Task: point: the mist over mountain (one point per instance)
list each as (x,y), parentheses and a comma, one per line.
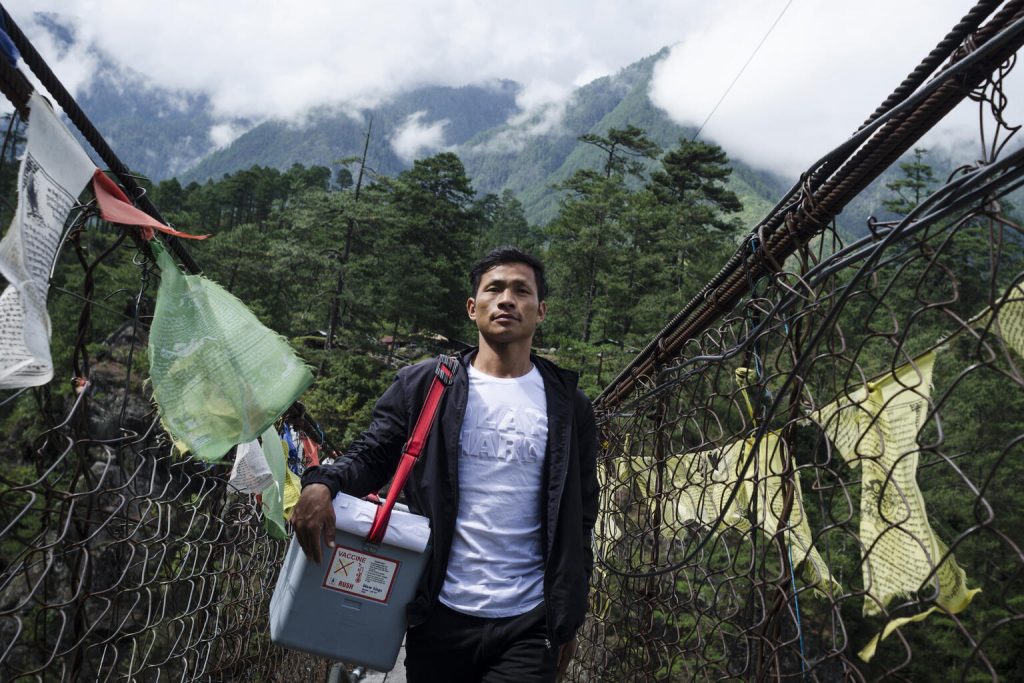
(532,154)
(411,125)
(165,133)
(155,131)
(501,146)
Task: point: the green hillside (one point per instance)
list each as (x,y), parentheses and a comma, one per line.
(527,157)
(329,134)
(542,161)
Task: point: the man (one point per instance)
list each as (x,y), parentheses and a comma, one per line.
(508,481)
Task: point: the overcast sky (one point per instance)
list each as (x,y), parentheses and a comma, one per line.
(826,65)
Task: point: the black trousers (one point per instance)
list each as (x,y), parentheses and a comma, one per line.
(452,647)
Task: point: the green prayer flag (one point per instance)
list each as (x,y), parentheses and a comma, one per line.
(273,495)
(220,377)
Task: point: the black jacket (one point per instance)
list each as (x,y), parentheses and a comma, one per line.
(570,482)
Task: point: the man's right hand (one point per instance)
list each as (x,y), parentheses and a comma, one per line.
(313,519)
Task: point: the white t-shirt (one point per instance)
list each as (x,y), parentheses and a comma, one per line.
(496,566)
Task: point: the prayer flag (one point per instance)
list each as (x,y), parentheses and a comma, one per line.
(273,496)
(763,492)
(292,491)
(759,495)
(53,173)
(699,485)
(1010,318)
(115,207)
(250,472)
(220,377)
(875,428)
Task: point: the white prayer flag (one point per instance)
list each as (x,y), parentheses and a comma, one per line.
(53,173)
(250,473)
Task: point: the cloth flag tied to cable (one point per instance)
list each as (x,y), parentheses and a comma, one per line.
(250,473)
(220,377)
(1009,318)
(282,493)
(696,487)
(53,173)
(276,455)
(115,207)
(875,428)
(763,490)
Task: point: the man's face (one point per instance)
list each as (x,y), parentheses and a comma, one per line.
(506,307)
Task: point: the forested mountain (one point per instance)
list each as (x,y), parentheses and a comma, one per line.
(527,155)
(171,133)
(164,133)
(157,131)
(529,159)
(330,134)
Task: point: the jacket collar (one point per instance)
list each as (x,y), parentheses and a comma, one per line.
(567,380)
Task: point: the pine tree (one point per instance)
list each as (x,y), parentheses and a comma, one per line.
(625,148)
(696,224)
(909,190)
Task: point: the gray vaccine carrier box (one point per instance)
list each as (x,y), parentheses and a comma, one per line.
(351,608)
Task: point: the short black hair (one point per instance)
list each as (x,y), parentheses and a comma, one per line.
(509,254)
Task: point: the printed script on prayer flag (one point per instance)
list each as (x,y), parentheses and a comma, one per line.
(53,172)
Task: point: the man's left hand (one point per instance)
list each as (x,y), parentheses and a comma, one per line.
(565,654)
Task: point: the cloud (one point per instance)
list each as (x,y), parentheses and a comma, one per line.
(823,69)
(541,105)
(261,58)
(821,72)
(223,134)
(411,139)
(75,64)
(541,119)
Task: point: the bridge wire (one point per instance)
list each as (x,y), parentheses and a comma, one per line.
(833,160)
(67,102)
(742,69)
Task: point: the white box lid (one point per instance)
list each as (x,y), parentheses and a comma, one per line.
(405,529)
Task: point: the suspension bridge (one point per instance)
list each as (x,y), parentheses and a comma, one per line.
(809,474)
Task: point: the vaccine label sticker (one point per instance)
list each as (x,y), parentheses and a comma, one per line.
(362,574)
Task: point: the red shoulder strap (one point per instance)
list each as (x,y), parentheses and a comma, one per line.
(444,375)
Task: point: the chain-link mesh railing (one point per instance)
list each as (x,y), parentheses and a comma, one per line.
(120,558)
(813,472)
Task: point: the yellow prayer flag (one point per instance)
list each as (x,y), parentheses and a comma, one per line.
(953,597)
(876,427)
(292,491)
(1009,318)
(743,377)
(696,487)
(608,531)
(705,481)
(762,491)
(609,528)
(693,488)
(868,651)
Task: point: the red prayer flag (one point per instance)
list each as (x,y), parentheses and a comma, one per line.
(311,451)
(115,207)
